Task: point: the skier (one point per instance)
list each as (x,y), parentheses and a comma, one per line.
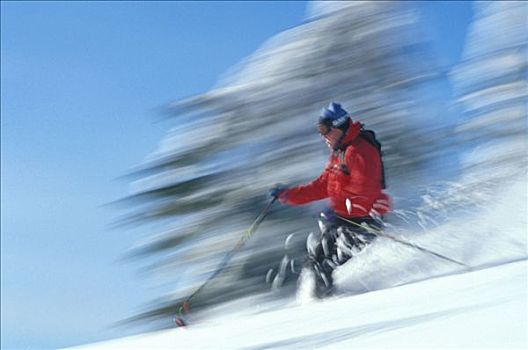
(353,180)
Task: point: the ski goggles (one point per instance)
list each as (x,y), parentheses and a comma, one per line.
(323,129)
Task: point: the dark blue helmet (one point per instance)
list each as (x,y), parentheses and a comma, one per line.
(334,116)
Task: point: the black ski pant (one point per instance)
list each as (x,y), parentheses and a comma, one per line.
(338,242)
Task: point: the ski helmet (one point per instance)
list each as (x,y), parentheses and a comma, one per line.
(334,116)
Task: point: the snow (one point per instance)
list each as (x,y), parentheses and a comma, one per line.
(485,308)
(407,299)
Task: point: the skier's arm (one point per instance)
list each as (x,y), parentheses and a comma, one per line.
(303,194)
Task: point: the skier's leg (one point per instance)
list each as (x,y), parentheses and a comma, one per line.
(335,246)
(351,240)
(320,260)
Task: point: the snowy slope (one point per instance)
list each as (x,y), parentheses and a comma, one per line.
(485,308)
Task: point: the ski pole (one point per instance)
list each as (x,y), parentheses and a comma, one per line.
(186,304)
(409,244)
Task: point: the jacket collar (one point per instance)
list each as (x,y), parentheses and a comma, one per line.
(351,134)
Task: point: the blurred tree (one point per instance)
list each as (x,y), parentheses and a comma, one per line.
(492,84)
(209,178)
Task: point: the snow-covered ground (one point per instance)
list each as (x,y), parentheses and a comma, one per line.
(486,307)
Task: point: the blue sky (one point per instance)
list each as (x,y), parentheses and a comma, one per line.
(80,86)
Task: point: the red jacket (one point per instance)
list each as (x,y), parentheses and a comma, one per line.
(356,194)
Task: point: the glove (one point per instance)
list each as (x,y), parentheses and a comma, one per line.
(276,191)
